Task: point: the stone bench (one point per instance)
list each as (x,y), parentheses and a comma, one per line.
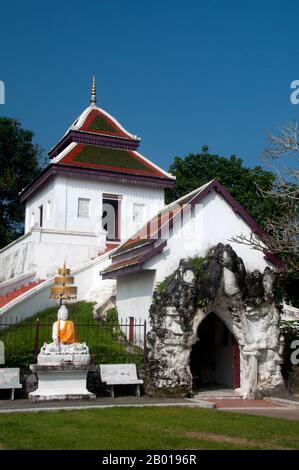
(120,374)
(10,379)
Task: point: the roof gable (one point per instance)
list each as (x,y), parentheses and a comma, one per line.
(99,121)
(97,146)
(150,234)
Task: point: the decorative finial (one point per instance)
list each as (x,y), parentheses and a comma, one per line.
(93,99)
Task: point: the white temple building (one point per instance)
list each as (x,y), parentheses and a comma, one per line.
(186,228)
(96,192)
(218,327)
(99,207)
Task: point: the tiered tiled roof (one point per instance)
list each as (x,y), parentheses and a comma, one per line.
(117,160)
(99,122)
(97,145)
(97,140)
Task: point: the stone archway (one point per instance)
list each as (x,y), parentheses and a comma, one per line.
(214,358)
(245,303)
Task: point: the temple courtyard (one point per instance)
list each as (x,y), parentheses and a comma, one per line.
(152,427)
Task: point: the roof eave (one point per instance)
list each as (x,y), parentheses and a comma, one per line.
(93,173)
(37,182)
(77,135)
(139,266)
(215,185)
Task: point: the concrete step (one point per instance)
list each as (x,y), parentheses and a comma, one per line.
(217,394)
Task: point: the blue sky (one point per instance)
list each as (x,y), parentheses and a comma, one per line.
(179,74)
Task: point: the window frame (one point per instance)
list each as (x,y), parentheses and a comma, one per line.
(85,199)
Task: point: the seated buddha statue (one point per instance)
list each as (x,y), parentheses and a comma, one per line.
(65,341)
(63,331)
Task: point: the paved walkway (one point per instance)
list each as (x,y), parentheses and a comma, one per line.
(275,408)
(8,406)
(242,404)
(284,413)
(285,409)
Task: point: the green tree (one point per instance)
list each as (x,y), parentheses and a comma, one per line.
(20,162)
(283,226)
(197,169)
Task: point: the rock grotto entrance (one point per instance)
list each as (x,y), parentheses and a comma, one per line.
(198,295)
(215,357)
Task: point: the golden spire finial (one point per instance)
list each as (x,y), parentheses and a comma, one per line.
(93,99)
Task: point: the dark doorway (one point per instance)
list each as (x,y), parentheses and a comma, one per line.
(41,215)
(111,217)
(214,359)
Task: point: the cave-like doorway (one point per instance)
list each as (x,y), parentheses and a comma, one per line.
(215,357)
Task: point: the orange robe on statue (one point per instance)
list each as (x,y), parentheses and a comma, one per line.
(67,334)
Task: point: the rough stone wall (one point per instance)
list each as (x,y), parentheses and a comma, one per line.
(246,304)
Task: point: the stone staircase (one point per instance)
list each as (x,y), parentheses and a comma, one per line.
(5,299)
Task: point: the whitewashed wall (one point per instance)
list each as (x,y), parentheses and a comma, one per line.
(13,258)
(87,279)
(221,223)
(213,221)
(64,236)
(134,294)
(63,193)
(41,197)
(44,250)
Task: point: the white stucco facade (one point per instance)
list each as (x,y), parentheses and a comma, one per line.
(134,294)
(95,193)
(59,199)
(65,237)
(211,222)
(89,287)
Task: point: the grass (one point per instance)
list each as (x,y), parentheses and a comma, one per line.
(145,428)
(102,338)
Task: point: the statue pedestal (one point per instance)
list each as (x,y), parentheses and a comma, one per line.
(63,382)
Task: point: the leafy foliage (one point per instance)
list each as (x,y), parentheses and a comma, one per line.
(162,286)
(20,163)
(287,288)
(282,227)
(112,316)
(197,169)
(195,263)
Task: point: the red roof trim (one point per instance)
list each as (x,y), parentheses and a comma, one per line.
(136,263)
(91,117)
(68,159)
(96,174)
(216,186)
(89,138)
